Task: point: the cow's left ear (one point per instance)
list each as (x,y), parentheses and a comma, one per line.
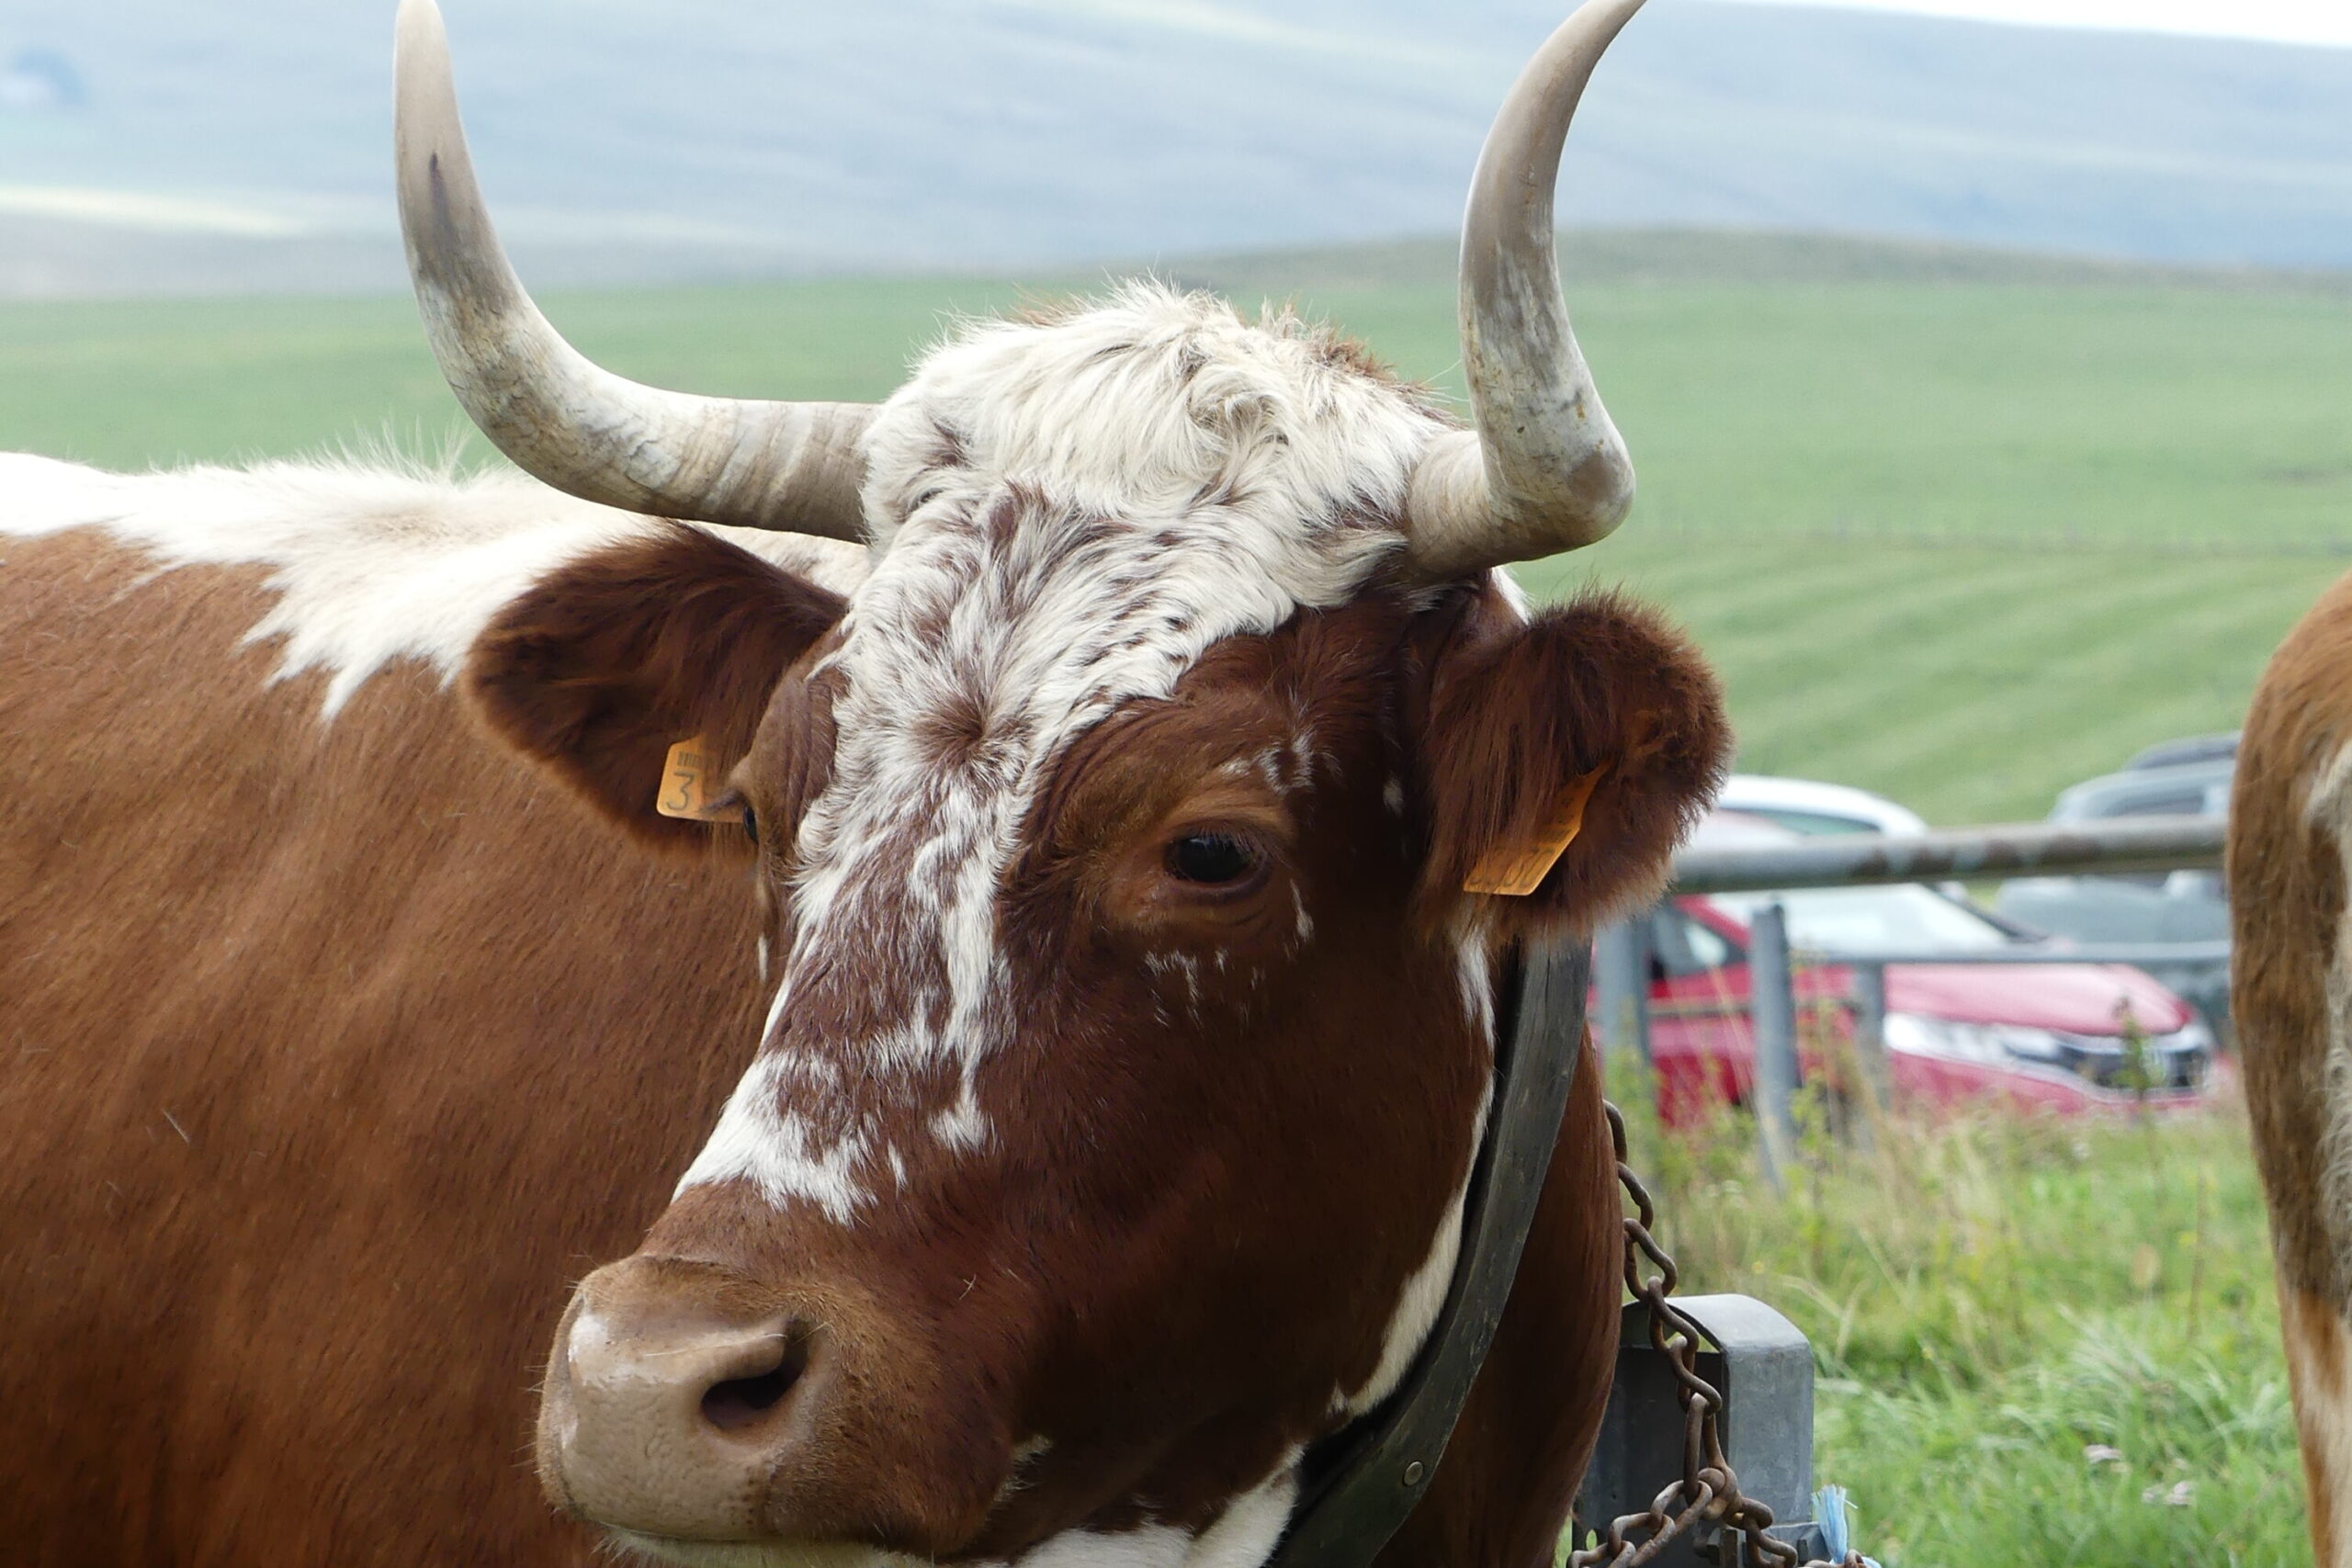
(1564,756)
(611,660)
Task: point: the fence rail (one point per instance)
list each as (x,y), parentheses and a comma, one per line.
(1622,960)
(2056,950)
(2039,849)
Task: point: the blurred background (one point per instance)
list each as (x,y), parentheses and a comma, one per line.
(628,141)
(1991,386)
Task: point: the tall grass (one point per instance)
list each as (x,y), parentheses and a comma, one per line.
(2037,1342)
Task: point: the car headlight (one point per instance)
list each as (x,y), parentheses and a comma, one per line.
(2190,1036)
(1987,1044)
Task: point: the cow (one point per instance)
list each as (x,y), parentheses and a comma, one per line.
(845,986)
(2290,1003)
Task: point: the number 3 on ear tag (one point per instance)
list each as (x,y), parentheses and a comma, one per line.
(690,783)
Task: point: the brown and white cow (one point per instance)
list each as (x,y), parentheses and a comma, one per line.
(1050,1087)
(2290,1002)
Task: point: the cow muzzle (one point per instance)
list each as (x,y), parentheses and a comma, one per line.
(685,1401)
(675,1396)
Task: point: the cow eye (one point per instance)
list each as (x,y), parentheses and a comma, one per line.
(751,824)
(1211,859)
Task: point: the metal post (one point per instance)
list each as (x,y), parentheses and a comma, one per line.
(1774,1007)
(1622,971)
(1761,1365)
(1869,1048)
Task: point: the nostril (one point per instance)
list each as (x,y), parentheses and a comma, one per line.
(741,1402)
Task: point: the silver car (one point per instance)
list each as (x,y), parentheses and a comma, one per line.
(2180,778)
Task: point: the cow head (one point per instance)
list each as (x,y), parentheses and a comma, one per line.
(1131,1026)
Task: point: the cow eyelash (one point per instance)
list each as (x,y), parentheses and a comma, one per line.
(1213,860)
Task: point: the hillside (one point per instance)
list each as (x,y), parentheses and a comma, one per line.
(1676,256)
(709,138)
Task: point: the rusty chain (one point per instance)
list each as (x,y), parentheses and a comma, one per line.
(1709,1490)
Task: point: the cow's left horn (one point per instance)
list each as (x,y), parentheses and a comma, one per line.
(793,467)
(1544,470)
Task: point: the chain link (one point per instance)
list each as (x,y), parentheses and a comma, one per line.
(1709,1491)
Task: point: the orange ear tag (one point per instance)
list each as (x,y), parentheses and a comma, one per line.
(1516,870)
(690,783)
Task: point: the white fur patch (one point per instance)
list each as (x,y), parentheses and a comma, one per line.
(370,565)
(760,1140)
(1513,595)
(1066,515)
(1242,1537)
(1151,1546)
(1416,1311)
(1246,1534)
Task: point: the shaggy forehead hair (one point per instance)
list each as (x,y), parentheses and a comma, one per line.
(1066,511)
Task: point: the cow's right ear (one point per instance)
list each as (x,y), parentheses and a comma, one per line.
(1564,756)
(611,660)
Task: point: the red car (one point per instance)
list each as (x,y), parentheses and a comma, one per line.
(2051,1035)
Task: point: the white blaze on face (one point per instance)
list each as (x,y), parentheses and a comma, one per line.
(1066,514)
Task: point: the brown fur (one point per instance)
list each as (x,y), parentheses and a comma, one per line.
(2287,900)
(346,1049)
(335,1054)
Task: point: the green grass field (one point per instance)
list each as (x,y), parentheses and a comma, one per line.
(1962,539)
(1995,1305)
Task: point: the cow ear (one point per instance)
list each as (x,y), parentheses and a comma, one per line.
(1564,756)
(610,660)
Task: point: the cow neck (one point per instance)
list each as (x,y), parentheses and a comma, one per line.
(1359,1485)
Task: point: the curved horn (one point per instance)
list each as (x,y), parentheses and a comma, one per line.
(791,467)
(1544,470)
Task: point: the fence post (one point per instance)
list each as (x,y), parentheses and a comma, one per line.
(1621,969)
(1869,1049)
(1773,1005)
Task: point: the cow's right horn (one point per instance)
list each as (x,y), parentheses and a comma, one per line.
(1545,470)
(793,467)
